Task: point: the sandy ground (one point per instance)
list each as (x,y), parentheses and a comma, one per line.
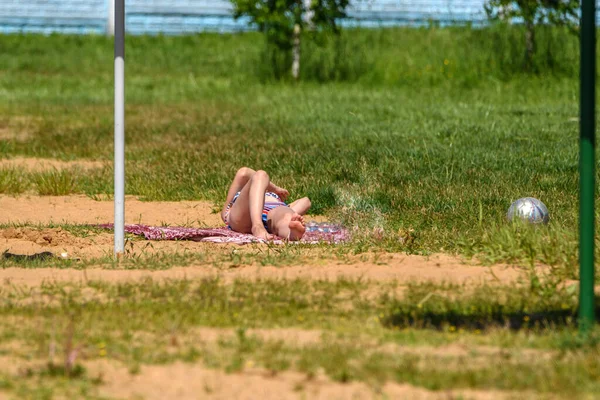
(17,129)
(186,381)
(189,381)
(83,210)
(80,209)
(193,381)
(44,164)
(403,269)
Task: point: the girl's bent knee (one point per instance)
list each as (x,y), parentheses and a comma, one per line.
(243,171)
(260,174)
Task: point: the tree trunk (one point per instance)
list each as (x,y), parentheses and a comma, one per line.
(529,44)
(296,53)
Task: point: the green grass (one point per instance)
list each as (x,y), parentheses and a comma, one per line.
(54,183)
(433,161)
(12,181)
(416,139)
(150,322)
(545,305)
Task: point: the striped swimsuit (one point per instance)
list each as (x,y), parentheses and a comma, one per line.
(269,205)
(228,209)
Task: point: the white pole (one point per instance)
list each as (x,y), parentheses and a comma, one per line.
(110,22)
(119,127)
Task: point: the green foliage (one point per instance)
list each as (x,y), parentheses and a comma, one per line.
(283,21)
(221,64)
(553,12)
(277,18)
(534,13)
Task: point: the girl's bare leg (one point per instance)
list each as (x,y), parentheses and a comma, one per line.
(242,177)
(240,180)
(258,186)
(300,206)
(246,213)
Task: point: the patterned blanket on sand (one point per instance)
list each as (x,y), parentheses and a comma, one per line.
(223,235)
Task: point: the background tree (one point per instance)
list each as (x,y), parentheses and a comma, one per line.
(533,13)
(283,21)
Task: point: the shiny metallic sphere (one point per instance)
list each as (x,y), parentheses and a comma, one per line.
(530,210)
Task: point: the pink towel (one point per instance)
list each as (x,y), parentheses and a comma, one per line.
(222,235)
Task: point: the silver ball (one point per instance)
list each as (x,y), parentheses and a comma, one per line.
(529,209)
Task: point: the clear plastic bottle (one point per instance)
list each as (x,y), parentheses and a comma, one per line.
(312,226)
(324,227)
(334,228)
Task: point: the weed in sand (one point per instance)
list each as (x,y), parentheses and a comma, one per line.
(12,181)
(55,182)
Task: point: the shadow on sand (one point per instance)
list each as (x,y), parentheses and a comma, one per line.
(494,318)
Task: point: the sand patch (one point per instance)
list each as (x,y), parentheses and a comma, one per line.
(46,164)
(192,381)
(83,210)
(463,356)
(27,241)
(60,242)
(17,135)
(185,381)
(313,264)
(309,264)
(293,336)
(50,237)
(402,269)
(18,128)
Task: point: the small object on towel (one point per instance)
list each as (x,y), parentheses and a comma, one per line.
(324,227)
(312,226)
(44,255)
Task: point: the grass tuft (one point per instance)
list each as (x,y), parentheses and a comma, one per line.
(55,182)
(546,305)
(12,181)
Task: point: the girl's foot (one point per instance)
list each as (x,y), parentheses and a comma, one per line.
(297,227)
(261,233)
